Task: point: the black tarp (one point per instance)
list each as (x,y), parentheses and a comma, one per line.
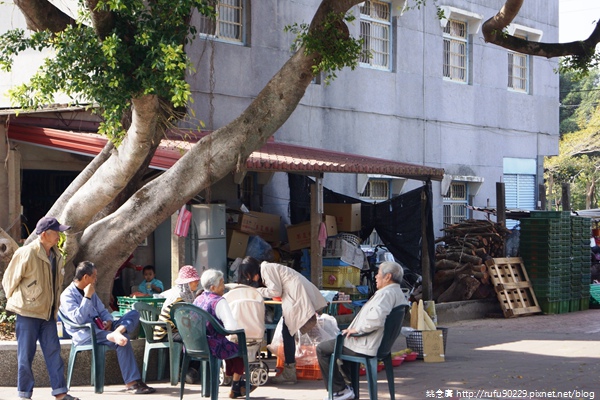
(397,221)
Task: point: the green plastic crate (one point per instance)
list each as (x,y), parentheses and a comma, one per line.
(551,306)
(126,303)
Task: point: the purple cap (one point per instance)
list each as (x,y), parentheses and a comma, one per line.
(50,223)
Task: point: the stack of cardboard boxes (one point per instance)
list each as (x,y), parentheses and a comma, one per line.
(240,226)
(342,260)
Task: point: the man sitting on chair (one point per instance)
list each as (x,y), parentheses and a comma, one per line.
(80,303)
(370,319)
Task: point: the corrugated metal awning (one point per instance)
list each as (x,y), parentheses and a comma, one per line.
(272,157)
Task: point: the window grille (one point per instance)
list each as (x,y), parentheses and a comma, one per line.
(455,203)
(377,189)
(518,71)
(375,31)
(455,51)
(229,22)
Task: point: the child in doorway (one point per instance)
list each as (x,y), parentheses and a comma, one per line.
(150,285)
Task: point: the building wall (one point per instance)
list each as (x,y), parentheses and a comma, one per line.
(410,114)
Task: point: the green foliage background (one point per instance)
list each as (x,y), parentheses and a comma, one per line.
(143,54)
(578,162)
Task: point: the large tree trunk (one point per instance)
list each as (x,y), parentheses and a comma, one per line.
(108,238)
(108,241)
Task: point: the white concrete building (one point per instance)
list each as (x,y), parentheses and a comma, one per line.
(433,94)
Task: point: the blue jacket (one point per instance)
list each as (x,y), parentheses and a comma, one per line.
(81,311)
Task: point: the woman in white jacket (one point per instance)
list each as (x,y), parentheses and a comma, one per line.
(300,300)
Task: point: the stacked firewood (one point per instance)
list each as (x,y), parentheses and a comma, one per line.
(460,271)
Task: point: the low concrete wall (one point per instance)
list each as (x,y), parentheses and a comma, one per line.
(81,371)
(462,310)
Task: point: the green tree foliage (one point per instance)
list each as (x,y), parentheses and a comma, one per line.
(579,97)
(335,47)
(143,54)
(578,162)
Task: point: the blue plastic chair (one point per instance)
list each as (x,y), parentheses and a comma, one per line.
(148,320)
(391,330)
(191,322)
(98,354)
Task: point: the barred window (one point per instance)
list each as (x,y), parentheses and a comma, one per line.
(377,189)
(455,203)
(518,71)
(229,22)
(455,51)
(375,31)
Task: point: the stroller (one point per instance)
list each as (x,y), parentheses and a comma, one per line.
(248,308)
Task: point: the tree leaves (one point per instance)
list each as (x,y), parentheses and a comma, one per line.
(142,54)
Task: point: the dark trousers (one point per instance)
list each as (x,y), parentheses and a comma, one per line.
(341,374)
(289,344)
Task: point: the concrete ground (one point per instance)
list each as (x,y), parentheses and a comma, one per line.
(529,357)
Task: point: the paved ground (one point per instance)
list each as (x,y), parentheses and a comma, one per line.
(530,357)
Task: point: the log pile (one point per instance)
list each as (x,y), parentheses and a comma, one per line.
(460,271)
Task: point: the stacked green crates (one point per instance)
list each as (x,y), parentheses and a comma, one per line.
(545,246)
(581,229)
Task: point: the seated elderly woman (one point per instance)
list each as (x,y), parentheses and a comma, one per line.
(212,301)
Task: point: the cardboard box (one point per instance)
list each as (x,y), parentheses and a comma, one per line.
(331,225)
(236,244)
(339,248)
(299,235)
(267,226)
(347,216)
(243,222)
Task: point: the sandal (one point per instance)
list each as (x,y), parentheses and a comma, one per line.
(139,388)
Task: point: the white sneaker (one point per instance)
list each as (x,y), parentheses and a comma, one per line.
(345,394)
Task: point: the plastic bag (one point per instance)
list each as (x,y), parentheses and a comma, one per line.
(183,222)
(306,344)
(277,339)
(259,249)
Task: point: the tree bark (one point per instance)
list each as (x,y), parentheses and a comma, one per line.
(41,15)
(493,32)
(110,240)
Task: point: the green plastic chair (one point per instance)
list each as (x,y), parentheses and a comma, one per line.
(191,322)
(98,354)
(149,319)
(391,330)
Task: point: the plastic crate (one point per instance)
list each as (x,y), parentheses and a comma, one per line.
(340,277)
(550,214)
(305,372)
(554,307)
(126,303)
(585,304)
(414,340)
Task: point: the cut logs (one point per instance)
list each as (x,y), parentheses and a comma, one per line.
(460,271)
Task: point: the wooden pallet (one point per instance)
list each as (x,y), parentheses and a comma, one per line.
(512,286)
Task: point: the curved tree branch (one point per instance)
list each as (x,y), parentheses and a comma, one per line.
(206,162)
(493,32)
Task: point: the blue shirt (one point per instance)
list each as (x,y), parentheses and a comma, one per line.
(144,287)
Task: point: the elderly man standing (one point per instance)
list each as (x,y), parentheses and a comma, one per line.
(81,304)
(32,283)
(371,318)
